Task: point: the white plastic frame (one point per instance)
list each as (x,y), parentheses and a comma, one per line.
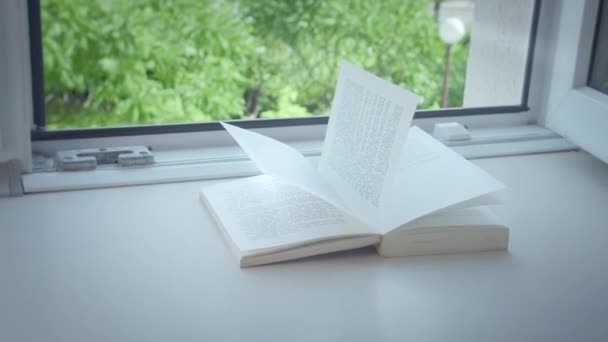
(15,84)
(573,109)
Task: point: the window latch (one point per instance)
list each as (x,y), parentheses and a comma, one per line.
(88,159)
(451,131)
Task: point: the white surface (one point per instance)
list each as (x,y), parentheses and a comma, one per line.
(583,119)
(574,110)
(145,264)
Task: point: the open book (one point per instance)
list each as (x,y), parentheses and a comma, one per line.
(378,182)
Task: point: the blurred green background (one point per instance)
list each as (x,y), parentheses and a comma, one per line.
(127,62)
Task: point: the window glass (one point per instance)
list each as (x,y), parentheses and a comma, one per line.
(598,75)
(116,62)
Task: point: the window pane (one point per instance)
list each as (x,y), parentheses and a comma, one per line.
(117,62)
(598,75)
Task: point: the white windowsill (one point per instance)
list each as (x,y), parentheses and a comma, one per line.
(230,161)
(151,256)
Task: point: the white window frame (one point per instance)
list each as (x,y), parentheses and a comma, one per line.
(574,110)
(15,85)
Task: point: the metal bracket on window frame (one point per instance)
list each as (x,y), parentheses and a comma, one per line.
(88,159)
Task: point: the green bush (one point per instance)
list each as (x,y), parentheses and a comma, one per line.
(111,62)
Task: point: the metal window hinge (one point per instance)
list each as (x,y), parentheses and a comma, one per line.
(88,159)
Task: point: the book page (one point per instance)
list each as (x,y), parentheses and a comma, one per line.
(447,231)
(367,129)
(277,159)
(467,217)
(263,212)
(432,177)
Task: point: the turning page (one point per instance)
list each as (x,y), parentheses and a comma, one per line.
(432,177)
(275,158)
(367,129)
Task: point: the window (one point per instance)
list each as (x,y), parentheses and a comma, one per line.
(576,107)
(598,74)
(501,33)
(124,63)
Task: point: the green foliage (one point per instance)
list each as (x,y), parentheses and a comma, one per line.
(122,62)
(116,62)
